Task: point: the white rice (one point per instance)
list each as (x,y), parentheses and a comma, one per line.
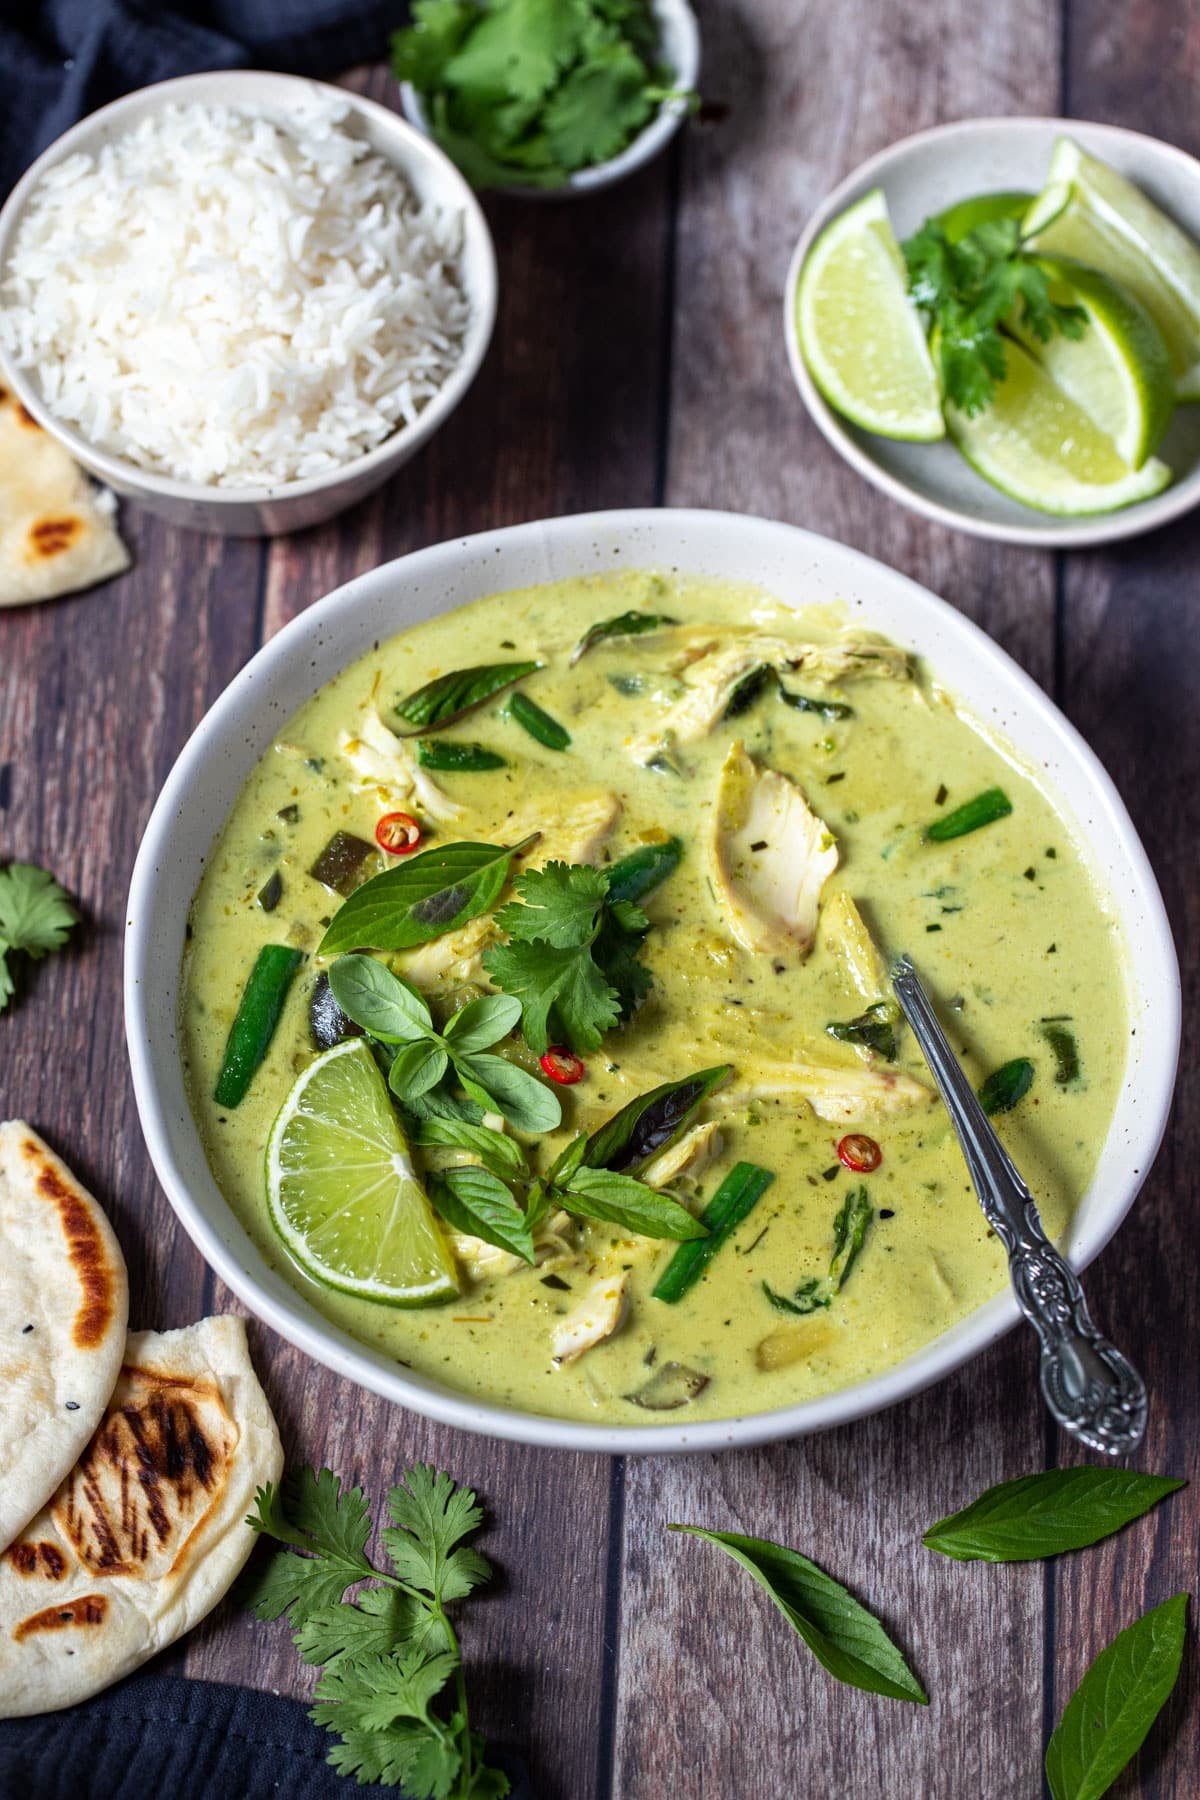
(222,300)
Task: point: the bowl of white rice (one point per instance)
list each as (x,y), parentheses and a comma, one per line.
(243,299)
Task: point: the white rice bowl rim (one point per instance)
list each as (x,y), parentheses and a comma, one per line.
(435,181)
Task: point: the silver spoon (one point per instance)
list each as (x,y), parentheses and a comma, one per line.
(1090,1387)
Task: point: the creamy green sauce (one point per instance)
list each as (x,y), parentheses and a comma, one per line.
(1005,924)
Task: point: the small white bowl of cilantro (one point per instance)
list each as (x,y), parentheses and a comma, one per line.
(548,100)
(997,323)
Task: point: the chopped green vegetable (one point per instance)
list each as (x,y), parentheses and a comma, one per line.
(422,898)
(271,892)
(1066,1051)
(1047,1514)
(849,1232)
(463,759)
(626,624)
(1108,1716)
(844,1637)
(537,722)
(984,809)
(255,1020)
(639,873)
(969,288)
(35,917)
(733,1202)
(338,865)
(389,1654)
(1006,1085)
(449,697)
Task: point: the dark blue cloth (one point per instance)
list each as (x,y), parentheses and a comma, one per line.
(60,59)
(157,1735)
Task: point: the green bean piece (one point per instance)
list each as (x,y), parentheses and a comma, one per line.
(984,809)
(645,869)
(538,723)
(257,1016)
(733,1201)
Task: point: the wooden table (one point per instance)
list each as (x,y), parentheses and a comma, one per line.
(638,359)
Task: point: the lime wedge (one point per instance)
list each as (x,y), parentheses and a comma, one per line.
(1118,371)
(341,1191)
(1111,225)
(982,209)
(860,334)
(1034,443)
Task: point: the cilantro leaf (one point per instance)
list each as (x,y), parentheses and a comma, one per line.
(600,106)
(420,53)
(430,1518)
(382,1619)
(310,1513)
(404,1756)
(518,49)
(561,904)
(370,1693)
(565,981)
(35,916)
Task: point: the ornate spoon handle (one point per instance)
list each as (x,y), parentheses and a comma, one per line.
(1090,1387)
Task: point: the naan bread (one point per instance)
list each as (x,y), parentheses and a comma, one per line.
(148,1530)
(58,533)
(64,1303)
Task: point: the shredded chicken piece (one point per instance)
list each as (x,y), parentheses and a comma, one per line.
(841,1095)
(858,661)
(576,834)
(384,762)
(690,1156)
(458,956)
(599,1314)
(771,856)
(482,1261)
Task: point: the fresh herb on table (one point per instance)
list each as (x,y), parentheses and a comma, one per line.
(392,1684)
(393,1013)
(849,1232)
(449,697)
(968,289)
(1006,1085)
(35,917)
(1108,1716)
(423,898)
(843,1636)
(1046,1514)
(572,956)
(523,93)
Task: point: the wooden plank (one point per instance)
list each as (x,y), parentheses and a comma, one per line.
(713,1694)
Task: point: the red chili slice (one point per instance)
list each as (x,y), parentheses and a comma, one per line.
(562,1065)
(860,1153)
(398,833)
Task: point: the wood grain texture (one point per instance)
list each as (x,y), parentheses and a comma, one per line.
(638,357)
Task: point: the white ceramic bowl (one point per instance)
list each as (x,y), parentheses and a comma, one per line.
(290,506)
(792,564)
(680,52)
(923,174)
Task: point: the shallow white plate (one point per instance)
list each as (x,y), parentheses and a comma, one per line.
(792,564)
(923,174)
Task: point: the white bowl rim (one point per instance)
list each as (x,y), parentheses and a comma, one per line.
(1056,534)
(335,1348)
(639,150)
(131,476)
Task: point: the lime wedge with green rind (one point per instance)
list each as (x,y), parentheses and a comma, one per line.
(342,1192)
(1118,371)
(983,209)
(1036,445)
(1112,226)
(860,334)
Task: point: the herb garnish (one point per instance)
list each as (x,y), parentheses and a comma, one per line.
(843,1636)
(969,288)
(1046,1514)
(849,1230)
(35,917)
(1006,1085)
(626,624)
(1108,1716)
(874,1030)
(449,697)
(423,898)
(652,1121)
(390,1654)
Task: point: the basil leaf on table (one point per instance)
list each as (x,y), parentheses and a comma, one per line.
(619,1199)
(501,1086)
(843,1636)
(377,1000)
(432,893)
(626,624)
(502,1155)
(652,1121)
(1047,1514)
(1109,1714)
(448,697)
(473,1200)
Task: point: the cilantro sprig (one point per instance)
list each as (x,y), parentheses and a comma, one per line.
(522,93)
(969,287)
(35,917)
(392,1685)
(572,956)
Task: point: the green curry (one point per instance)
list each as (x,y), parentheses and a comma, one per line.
(814,782)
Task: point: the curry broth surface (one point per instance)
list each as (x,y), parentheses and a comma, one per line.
(1005,924)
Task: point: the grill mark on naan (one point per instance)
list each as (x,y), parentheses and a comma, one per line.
(50,537)
(85,1248)
(87,1612)
(42,1559)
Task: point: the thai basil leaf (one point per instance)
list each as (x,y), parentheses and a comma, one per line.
(541,725)
(843,1636)
(1047,1514)
(501,1154)
(637,874)
(626,624)
(527,1103)
(448,697)
(379,1001)
(600,1194)
(849,1231)
(825,709)
(417,1068)
(568,1160)
(750,688)
(652,1121)
(482,1023)
(1109,1714)
(873,1030)
(473,1200)
(1006,1085)
(432,893)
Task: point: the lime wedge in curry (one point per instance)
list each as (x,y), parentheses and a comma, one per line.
(1034,443)
(1089,212)
(341,1189)
(860,334)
